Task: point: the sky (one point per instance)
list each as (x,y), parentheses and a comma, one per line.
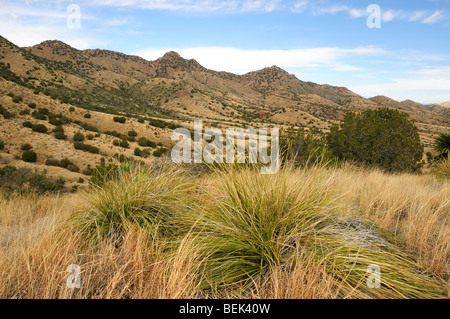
(400,48)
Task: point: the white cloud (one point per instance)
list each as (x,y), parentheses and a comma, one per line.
(241,61)
(23,34)
(435,17)
(228,6)
(387,15)
(429,85)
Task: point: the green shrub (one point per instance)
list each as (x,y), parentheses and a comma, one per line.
(58,128)
(29,156)
(124,144)
(25,112)
(2,145)
(52,162)
(38,116)
(71,109)
(32,105)
(43,110)
(26,147)
(40,128)
(383,138)
(87,115)
(142,141)
(116,142)
(93,149)
(27,124)
(90,137)
(145,142)
(73,168)
(119,119)
(78,137)
(65,163)
(60,135)
(157,153)
(79,146)
(132,133)
(137,151)
(14,179)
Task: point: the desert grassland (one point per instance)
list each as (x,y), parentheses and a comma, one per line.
(233,233)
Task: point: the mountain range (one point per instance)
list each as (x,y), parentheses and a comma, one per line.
(91,87)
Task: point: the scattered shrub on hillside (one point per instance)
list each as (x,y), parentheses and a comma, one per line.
(25,112)
(145,142)
(52,162)
(60,135)
(78,137)
(40,128)
(132,133)
(116,142)
(2,145)
(29,156)
(65,163)
(32,105)
(71,109)
(124,144)
(27,124)
(85,147)
(137,151)
(6,114)
(157,123)
(90,137)
(119,119)
(26,147)
(73,168)
(89,127)
(157,153)
(87,115)
(38,116)
(43,110)
(22,180)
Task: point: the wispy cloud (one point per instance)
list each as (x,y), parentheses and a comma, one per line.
(435,17)
(428,85)
(387,15)
(228,6)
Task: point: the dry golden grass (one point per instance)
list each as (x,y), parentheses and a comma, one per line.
(413,209)
(37,246)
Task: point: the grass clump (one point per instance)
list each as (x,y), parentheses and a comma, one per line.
(256,223)
(135,196)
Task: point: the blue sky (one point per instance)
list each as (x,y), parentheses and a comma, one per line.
(327,42)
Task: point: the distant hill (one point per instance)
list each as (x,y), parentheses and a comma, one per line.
(91,87)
